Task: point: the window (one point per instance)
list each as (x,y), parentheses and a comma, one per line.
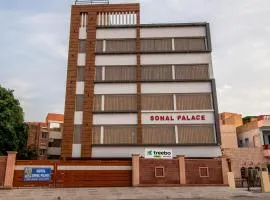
(99,46)
(189,44)
(77,134)
(42,152)
(160,44)
(80,73)
(159,172)
(121,45)
(44,135)
(79,102)
(200,101)
(96,131)
(82,46)
(156,73)
(55,143)
(246,142)
(204,171)
(158,134)
(114,103)
(157,101)
(120,73)
(119,135)
(196,134)
(240,143)
(97,103)
(191,72)
(98,74)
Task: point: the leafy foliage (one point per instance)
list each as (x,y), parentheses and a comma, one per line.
(13,130)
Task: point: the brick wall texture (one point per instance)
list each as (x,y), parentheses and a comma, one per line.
(3,164)
(171,169)
(147,171)
(214,169)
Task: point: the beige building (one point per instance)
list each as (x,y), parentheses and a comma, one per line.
(245,141)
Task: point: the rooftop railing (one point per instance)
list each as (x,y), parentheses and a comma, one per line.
(82,2)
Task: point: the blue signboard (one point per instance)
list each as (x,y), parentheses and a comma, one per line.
(37,174)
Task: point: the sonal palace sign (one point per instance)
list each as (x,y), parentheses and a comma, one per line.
(178,118)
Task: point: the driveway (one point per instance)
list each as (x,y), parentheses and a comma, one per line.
(132,193)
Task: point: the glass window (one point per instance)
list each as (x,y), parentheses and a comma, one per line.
(79,102)
(82,46)
(80,73)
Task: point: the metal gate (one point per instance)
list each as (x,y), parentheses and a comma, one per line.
(249,178)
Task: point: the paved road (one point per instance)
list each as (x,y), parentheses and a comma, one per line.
(129,193)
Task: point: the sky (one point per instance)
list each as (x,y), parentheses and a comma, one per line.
(34,45)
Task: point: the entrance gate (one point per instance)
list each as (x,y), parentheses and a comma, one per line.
(78,173)
(249,178)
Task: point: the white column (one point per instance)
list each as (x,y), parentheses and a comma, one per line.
(173,72)
(102,102)
(174,102)
(102,134)
(103,73)
(176,134)
(173,48)
(104,45)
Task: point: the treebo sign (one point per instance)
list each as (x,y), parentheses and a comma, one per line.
(158,153)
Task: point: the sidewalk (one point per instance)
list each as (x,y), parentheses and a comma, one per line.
(131,193)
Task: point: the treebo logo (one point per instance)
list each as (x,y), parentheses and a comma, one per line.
(158,153)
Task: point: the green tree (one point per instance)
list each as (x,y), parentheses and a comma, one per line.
(13,130)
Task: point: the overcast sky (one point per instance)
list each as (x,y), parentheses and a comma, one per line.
(34,43)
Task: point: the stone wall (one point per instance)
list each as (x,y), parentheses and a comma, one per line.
(245,157)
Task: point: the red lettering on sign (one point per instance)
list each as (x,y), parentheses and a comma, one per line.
(179,117)
(203,117)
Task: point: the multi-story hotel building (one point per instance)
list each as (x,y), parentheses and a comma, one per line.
(132,86)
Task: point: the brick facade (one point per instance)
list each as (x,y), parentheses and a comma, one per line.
(92,12)
(214,169)
(197,171)
(3,164)
(147,171)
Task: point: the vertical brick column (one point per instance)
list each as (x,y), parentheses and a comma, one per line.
(11,159)
(86,136)
(135,169)
(182,169)
(66,146)
(138,79)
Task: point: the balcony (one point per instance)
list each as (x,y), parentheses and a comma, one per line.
(266,150)
(54,150)
(55,135)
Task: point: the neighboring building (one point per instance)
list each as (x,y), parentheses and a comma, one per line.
(245,141)
(55,128)
(46,137)
(255,133)
(228,123)
(133,86)
(227,118)
(228,136)
(38,138)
